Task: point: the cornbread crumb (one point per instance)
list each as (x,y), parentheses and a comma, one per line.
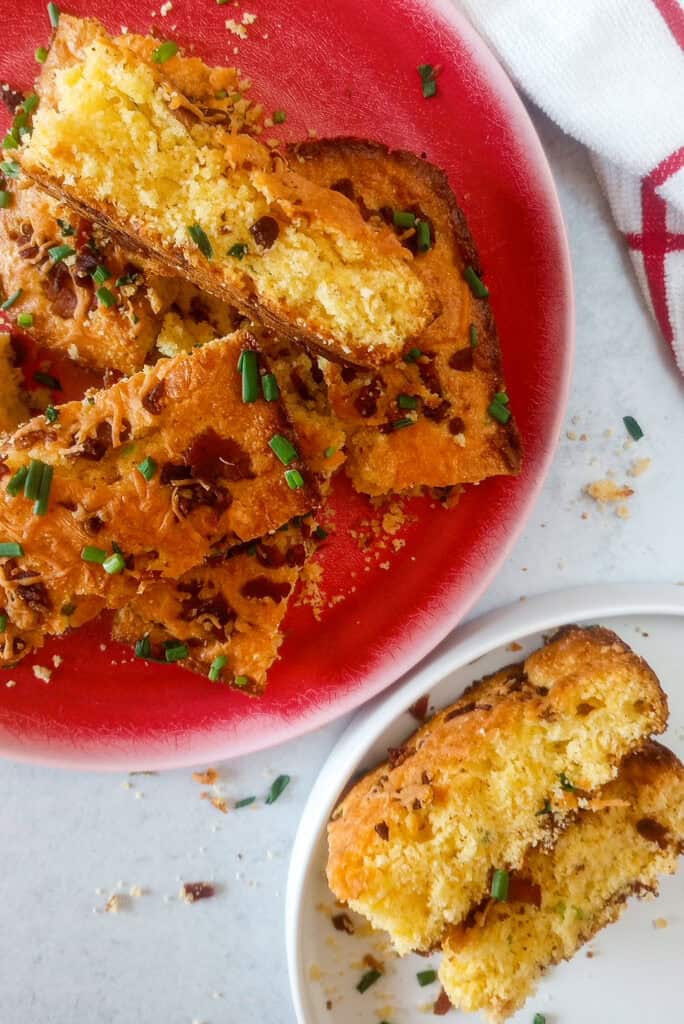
(57,660)
(114,904)
(136,891)
(42,673)
(639,466)
(660,922)
(207,778)
(165,8)
(10,683)
(607,490)
(248,18)
(238,30)
(216,801)
(514,646)
(315,973)
(622,512)
(73,352)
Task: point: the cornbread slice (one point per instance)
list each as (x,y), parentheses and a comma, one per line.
(212,482)
(117,141)
(425,421)
(562,898)
(226,615)
(13,408)
(413,845)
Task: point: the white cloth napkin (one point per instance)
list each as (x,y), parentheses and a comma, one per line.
(611,73)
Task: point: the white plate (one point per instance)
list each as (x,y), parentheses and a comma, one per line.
(635,974)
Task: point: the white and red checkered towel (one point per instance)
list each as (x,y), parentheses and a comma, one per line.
(611,73)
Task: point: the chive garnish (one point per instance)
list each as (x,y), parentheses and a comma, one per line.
(329,452)
(67,609)
(277,788)
(199,237)
(413,355)
(41,505)
(61,252)
(250,376)
(477,285)
(10,168)
(53,14)
(400,424)
(269,387)
(5,199)
(143,648)
(41,54)
(539,1018)
(165,52)
(92,554)
(403,219)
(217,666)
(240,681)
(16,482)
(101,274)
(498,407)
(105,297)
(8,303)
(545,808)
(51,414)
(294,479)
(245,802)
(126,279)
(66,228)
(472,330)
(175,652)
(283,449)
(9,549)
(25,320)
(368,979)
(239,250)
(47,380)
(428,80)
(9,142)
(148,467)
(633,428)
(33,478)
(426,978)
(30,103)
(407,401)
(500,882)
(279,117)
(115,564)
(566,784)
(3,623)
(423,236)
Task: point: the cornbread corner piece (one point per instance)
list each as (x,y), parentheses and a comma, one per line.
(154,474)
(425,421)
(119,143)
(413,845)
(561,898)
(13,408)
(223,620)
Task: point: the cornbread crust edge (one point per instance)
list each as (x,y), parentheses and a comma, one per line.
(288,188)
(411,846)
(583,883)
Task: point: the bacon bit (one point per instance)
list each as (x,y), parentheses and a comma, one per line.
(653,832)
(343,923)
(216,801)
(442,1004)
(524,890)
(382,829)
(190,892)
(207,778)
(397,755)
(514,646)
(375,965)
(419,710)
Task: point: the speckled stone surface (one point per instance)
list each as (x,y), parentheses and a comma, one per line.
(69,841)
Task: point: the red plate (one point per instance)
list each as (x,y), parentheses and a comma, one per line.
(340,68)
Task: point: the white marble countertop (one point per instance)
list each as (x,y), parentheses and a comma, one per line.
(71,840)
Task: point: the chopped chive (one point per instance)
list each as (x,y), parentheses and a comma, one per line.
(51,414)
(8,303)
(294,479)
(115,564)
(429,88)
(67,609)
(239,250)
(269,387)
(500,882)
(33,478)
(10,168)
(221,94)
(472,330)
(9,142)
(101,274)
(105,297)
(116,548)
(47,380)
(66,228)
(41,54)
(368,979)
(175,652)
(329,452)
(407,402)
(165,52)
(428,80)
(633,428)
(403,219)
(413,355)
(25,320)
(41,505)
(277,788)
(499,411)
(279,117)
(199,237)
(546,808)
(240,682)
(477,285)
(92,554)
(53,14)
(245,802)
(148,467)
(539,1018)
(217,666)
(400,424)
(3,623)
(566,784)
(126,279)
(9,549)
(250,376)
(501,397)
(426,978)
(423,236)
(61,252)
(5,199)
(16,482)
(20,121)
(283,449)
(30,103)
(143,648)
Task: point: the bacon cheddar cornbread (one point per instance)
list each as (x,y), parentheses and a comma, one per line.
(414,843)
(242,226)
(13,408)
(141,481)
(560,898)
(440,417)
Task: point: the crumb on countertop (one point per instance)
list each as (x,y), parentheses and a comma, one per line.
(207,778)
(608,490)
(639,466)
